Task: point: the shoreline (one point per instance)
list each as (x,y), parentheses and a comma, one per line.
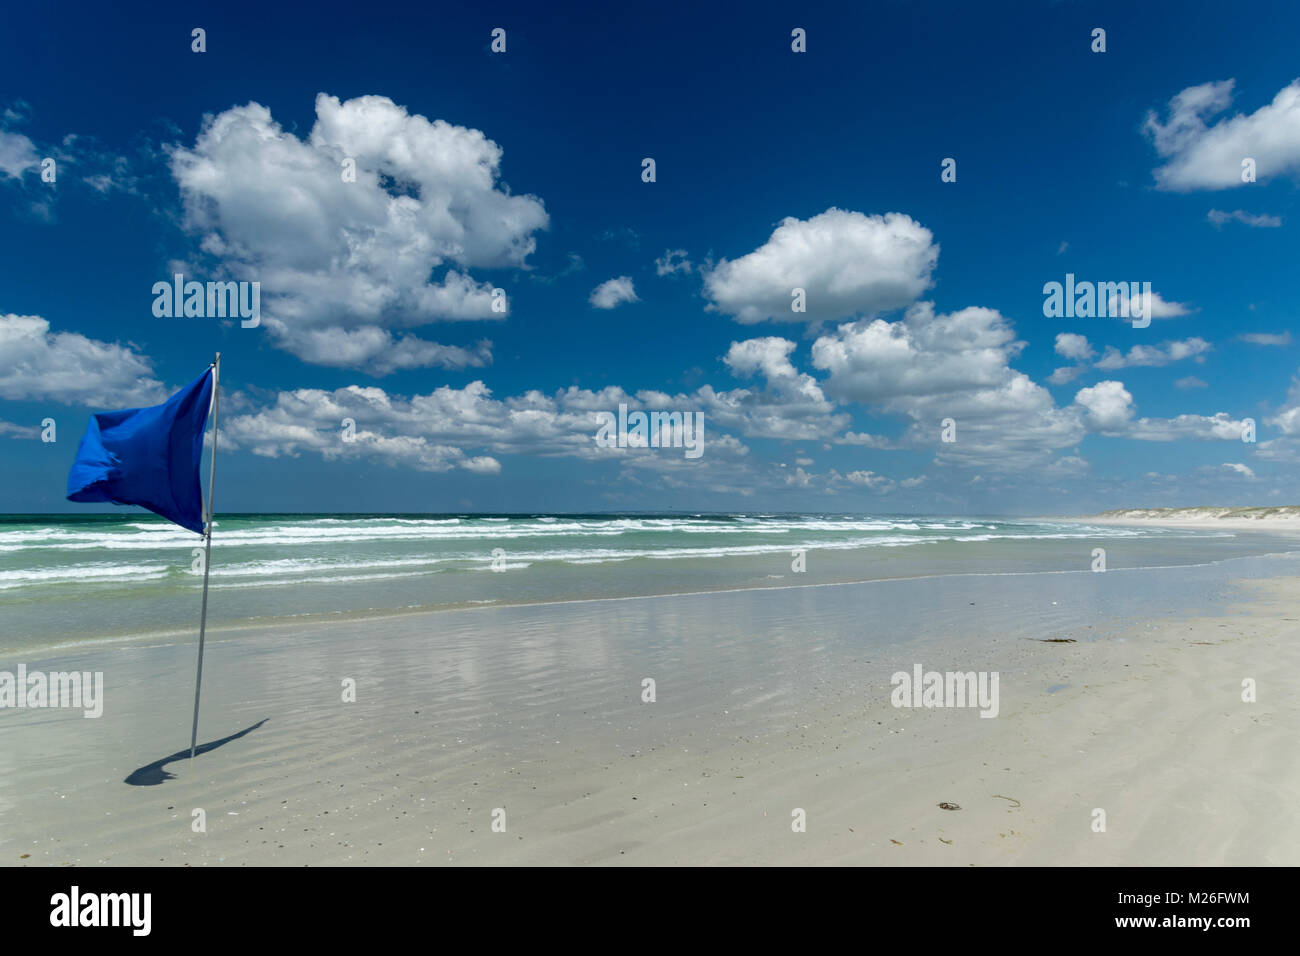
(61,587)
(232,630)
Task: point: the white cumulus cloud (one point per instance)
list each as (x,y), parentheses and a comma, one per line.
(344,263)
(1154,355)
(846,262)
(613,292)
(1108,406)
(67,368)
(1201,155)
(1071,346)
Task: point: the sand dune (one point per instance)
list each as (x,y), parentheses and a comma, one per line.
(1275,518)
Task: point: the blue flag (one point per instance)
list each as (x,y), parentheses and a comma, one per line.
(148,456)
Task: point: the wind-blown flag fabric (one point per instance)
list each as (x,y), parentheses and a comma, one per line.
(148,456)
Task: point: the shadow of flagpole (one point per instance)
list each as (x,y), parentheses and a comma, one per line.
(154,774)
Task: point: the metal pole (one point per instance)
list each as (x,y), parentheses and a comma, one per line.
(207,551)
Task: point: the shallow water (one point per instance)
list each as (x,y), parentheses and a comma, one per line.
(69,580)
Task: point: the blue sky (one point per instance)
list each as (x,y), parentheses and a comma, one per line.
(521,171)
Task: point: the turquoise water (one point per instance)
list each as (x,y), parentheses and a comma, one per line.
(72,579)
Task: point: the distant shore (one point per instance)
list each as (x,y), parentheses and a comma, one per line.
(1278,518)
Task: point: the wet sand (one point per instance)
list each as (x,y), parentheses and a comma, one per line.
(766,703)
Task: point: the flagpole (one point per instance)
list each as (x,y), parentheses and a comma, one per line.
(207,551)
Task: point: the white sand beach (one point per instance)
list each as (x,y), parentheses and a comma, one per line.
(538,711)
(1284,519)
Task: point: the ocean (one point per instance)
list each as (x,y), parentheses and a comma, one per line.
(87,579)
